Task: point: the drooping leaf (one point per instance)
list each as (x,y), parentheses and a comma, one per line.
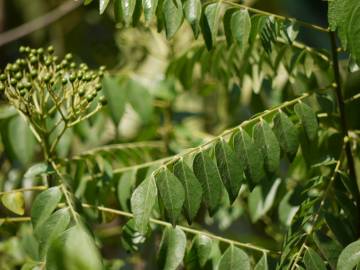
(124,188)
(308,119)
(230,168)
(142,203)
(103,5)
(313,260)
(241,27)
(45,203)
(200,252)
(172,249)
(262,263)
(192,188)
(124,10)
(234,258)
(266,140)
(116,96)
(140,99)
(36,170)
(14,201)
(208,175)
(171,192)
(349,257)
(51,228)
(210,24)
(261,199)
(287,209)
(192,12)
(149,7)
(354,32)
(328,247)
(249,155)
(173,16)
(130,237)
(227,25)
(286,133)
(73,250)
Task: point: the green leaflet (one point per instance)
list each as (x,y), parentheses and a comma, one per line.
(286,133)
(308,120)
(328,247)
(287,210)
(208,175)
(234,258)
(354,32)
(51,228)
(262,263)
(192,188)
(73,250)
(249,155)
(140,99)
(171,192)
(227,25)
(36,170)
(241,27)
(261,199)
(142,203)
(124,188)
(230,168)
(124,10)
(257,24)
(131,239)
(14,201)
(149,7)
(312,260)
(200,252)
(172,249)
(116,96)
(192,12)
(266,140)
(210,24)
(102,5)
(44,204)
(349,257)
(173,16)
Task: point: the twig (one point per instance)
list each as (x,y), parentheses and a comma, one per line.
(36,24)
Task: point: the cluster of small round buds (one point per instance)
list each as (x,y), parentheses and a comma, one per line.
(68,56)
(81,92)
(18,76)
(3,77)
(72,65)
(98,87)
(72,77)
(50,49)
(13,82)
(2,87)
(47,78)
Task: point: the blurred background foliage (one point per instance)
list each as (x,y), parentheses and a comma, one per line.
(156,107)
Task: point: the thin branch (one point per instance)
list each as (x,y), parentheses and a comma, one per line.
(353,98)
(34,188)
(14,219)
(38,23)
(258,11)
(185,229)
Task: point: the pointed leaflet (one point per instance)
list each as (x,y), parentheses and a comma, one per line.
(192,12)
(171,192)
(14,201)
(74,249)
(208,175)
(142,203)
(308,119)
(241,27)
(173,16)
(102,5)
(172,249)
(328,247)
(261,199)
(349,257)
(200,250)
(116,97)
(192,188)
(312,260)
(230,168)
(210,24)
(51,228)
(234,258)
(124,188)
(266,140)
(286,133)
(262,263)
(44,204)
(149,7)
(227,25)
(36,170)
(124,10)
(249,155)
(354,32)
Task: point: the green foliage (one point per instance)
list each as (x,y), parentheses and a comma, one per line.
(241,132)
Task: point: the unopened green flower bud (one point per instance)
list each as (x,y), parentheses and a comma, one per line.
(2,77)
(98,87)
(13,81)
(50,49)
(103,100)
(68,56)
(18,76)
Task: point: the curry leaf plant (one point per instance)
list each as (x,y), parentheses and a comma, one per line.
(241,152)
